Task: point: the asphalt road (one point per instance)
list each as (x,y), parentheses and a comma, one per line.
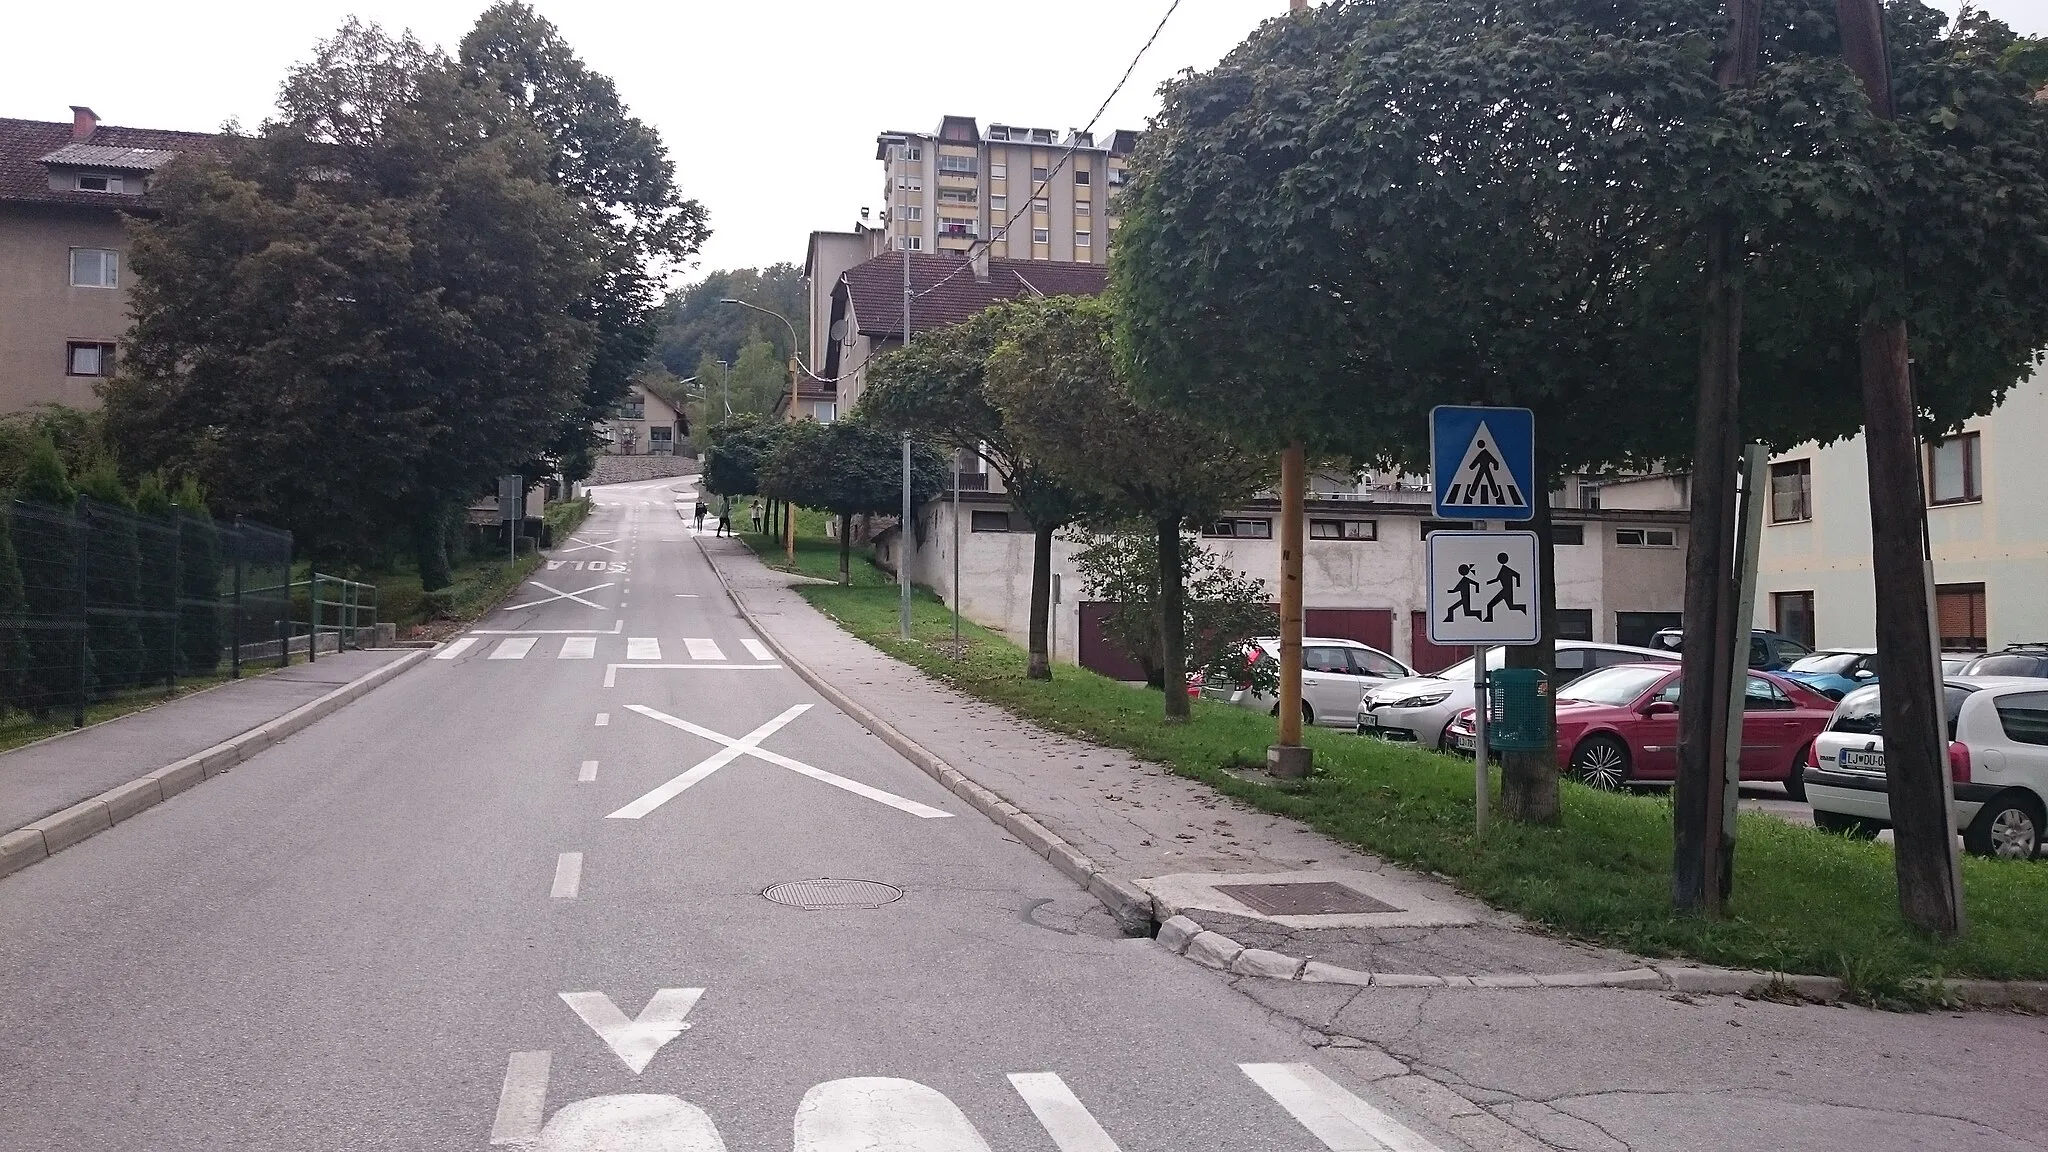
(499,893)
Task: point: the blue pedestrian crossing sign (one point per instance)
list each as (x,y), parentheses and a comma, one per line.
(1482,462)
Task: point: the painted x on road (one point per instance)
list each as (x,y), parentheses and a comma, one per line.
(750,745)
(577,596)
(604,544)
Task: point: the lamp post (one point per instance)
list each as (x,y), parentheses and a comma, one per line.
(727,365)
(788,514)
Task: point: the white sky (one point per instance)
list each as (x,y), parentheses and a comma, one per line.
(769,107)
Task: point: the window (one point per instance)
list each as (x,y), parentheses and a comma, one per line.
(913,212)
(951,227)
(1573,624)
(1081,176)
(1241,529)
(1791,491)
(999,171)
(85,358)
(1116,177)
(958,195)
(1042,135)
(1646,537)
(631,408)
(2024,715)
(825,411)
(1589,499)
(1080,208)
(982,521)
(1041,236)
(999,203)
(1792,615)
(911,152)
(95,268)
(998,233)
(998,132)
(1760,695)
(661,441)
(1083,240)
(1429,526)
(1039,176)
(958,165)
(1330,660)
(1343,530)
(1038,204)
(1959,611)
(98,183)
(914,183)
(1636,629)
(913,243)
(1568,534)
(1953,470)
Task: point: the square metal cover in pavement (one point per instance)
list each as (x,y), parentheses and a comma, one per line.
(1310,898)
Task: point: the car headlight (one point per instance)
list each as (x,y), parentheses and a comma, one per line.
(1423,701)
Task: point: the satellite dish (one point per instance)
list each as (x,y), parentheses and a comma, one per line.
(838,330)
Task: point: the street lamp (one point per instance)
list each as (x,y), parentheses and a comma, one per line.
(788,519)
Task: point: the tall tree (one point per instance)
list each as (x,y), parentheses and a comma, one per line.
(850,468)
(695,327)
(1055,378)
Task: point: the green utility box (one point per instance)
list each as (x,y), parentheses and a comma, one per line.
(1518,710)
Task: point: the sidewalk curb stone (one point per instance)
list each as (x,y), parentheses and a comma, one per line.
(41,839)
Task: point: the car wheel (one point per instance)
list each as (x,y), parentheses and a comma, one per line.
(1601,762)
(1795,781)
(2009,827)
(1841,824)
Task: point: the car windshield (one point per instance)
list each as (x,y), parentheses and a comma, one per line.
(2004,666)
(1826,663)
(1860,711)
(1617,685)
(1462,670)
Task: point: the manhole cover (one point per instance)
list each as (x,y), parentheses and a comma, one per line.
(815,894)
(1313,898)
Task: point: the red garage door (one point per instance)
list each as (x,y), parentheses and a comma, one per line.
(1427,657)
(1374,626)
(1097,653)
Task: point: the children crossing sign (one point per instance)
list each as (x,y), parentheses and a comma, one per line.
(1483,588)
(1483,462)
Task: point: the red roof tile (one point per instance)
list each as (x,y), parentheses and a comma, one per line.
(24,178)
(946,291)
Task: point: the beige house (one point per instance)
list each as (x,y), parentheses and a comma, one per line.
(644,424)
(65,189)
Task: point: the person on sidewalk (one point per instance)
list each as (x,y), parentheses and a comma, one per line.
(725,515)
(754,514)
(702,510)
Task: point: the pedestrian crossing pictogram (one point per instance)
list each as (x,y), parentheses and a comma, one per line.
(1483,462)
(1481,481)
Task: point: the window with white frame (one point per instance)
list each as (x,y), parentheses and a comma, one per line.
(1954,471)
(1041,235)
(952,227)
(998,233)
(959,165)
(95,268)
(1646,537)
(1081,176)
(1083,240)
(999,171)
(999,203)
(1038,175)
(1080,208)
(1343,530)
(913,212)
(913,243)
(1040,204)
(913,183)
(910,152)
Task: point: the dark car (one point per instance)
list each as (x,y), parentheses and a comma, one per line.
(2014,660)
(1768,651)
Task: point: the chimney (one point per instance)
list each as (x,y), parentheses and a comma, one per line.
(977,258)
(83,121)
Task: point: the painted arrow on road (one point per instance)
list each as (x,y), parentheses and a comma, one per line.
(635,1041)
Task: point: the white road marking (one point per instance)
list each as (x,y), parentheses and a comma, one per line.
(1061,1113)
(630,1122)
(1342,1121)
(756,649)
(617,627)
(686,596)
(455,648)
(522,1099)
(577,596)
(732,751)
(603,718)
(587,773)
(578,648)
(643,648)
(606,545)
(748,745)
(611,671)
(635,1041)
(568,876)
(703,649)
(514,648)
(870,1113)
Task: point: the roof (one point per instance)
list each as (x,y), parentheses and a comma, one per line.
(947,292)
(27,146)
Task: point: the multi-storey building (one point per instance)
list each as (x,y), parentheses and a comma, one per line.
(64,278)
(1031,193)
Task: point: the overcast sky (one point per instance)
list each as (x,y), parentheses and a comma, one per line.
(769,107)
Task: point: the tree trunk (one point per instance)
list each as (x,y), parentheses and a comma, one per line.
(1172,616)
(1041,602)
(430,544)
(1528,780)
(845,547)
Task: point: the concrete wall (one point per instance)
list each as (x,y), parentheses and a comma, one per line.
(39,309)
(2000,541)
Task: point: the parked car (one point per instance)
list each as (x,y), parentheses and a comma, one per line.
(2029,660)
(1997,758)
(1835,673)
(1768,651)
(1620,724)
(1333,672)
(1953,663)
(1416,711)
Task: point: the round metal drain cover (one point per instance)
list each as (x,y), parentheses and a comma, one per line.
(817,894)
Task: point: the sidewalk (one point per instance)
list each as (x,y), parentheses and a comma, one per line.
(54,774)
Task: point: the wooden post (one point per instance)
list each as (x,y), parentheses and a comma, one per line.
(1287,757)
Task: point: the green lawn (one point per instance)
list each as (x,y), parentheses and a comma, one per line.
(1804,901)
(816,555)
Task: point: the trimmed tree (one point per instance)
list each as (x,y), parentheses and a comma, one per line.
(1223,607)
(850,468)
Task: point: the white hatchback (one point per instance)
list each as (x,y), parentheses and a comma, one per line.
(1416,711)
(1998,762)
(1333,673)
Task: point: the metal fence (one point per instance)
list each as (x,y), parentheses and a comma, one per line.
(97,603)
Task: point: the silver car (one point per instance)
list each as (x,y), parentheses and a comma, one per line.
(1332,673)
(1415,711)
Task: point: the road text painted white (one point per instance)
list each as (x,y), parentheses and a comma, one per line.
(588,772)
(1343,1122)
(630,1123)
(522,1099)
(748,745)
(643,648)
(455,648)
(514,647)
(870,1113)
(703,649)
(757,650)
(568,875)
(611,671)
(578,648)
(1061,1113)
(603,718)
(635,1041)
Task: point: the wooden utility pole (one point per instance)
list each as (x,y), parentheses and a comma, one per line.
(1288,757)
(1713,637)
(1910,694)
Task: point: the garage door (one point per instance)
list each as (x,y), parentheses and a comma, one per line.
(1374,626)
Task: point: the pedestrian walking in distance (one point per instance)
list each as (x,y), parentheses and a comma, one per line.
(725,515)
(754,510)
(701,511)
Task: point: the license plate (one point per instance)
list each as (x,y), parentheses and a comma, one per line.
(1368,723)
(1861,759)
(1464,743)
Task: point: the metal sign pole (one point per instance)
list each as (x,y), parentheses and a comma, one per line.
(1482,784)
(903,542)
(956,555)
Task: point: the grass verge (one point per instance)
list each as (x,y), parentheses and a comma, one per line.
(1805,901)
(816,555)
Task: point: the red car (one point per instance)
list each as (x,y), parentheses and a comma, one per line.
(1621,724)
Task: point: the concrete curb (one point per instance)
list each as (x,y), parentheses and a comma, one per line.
(1126,902)
(54,833)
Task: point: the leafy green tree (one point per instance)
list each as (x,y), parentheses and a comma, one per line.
(46,541)
(1055,378)
(1223,607)
(740,449)
(850,468)
(936,387)
(694,327)
(199,568)
(79,436)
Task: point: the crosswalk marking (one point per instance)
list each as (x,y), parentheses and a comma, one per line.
(1061,1113)
(455,648)
(702,649)
(643,648)
(757,650)
(578,648)
(514,647)
(1342,1121)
